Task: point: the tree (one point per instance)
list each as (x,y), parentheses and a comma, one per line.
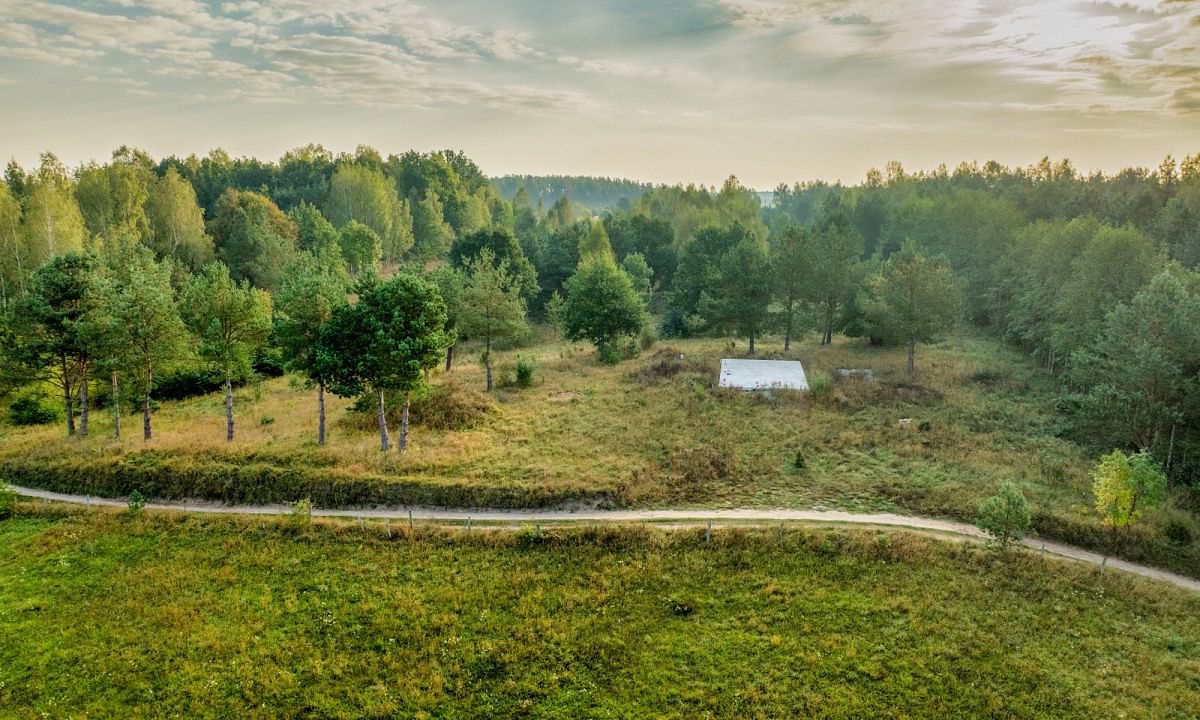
(14,254)
(139,321)
(231,321)
(739,297)
(1178,226)
(601,304)
(505,249)
(639,271)
(387,340)
(1126,486)
(361,247)
(833,251)
(52,344)
(595,242)
(914,299)
(652,237)
(449,282)
(490,305)
(1141,376)
(789,263)
(363,194)
(698,269)
(432,235)
(313,232)
(50,219)
(254,238)
(176,222)
(1005,516)
(307,297)
(112,198)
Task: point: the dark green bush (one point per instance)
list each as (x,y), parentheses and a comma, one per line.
(183,384)
(525,372)
(33,409)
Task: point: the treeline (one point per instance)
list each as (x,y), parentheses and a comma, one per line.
(595,193)
(1095,276)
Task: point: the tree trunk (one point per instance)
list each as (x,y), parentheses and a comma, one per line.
(449,357)
(320,413)
(827,338)
(146,404)
(380,415)
(787,328)
(751,343)
(403,444)
(68,404)
(83,401)
(228,410)
(912,346)
(116,403)
(487,363)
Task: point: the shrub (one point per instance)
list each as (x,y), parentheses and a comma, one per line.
(301,515)
(1178,532)
(33,408)
(184,384)
(799,462)
(647,338)
(266,420)
(610,353)
(8,501)
(525,372)
(447,405)
(137,502)
(820,385)
(1005,516)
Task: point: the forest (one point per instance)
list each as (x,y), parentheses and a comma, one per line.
(136,267)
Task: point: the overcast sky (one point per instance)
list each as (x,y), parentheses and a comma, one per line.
(660,90)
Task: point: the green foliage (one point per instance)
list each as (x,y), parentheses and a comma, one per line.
(306,299)
(504,249)
(526,367)
(601,304)
(32,407)
(175,222)
(230,320)
(386,340)
(253,237)
(738,297)
(300,518)
(8,501)
(490,308)
(698,270)
(1126,486)
(136,502)
(313,232)
(1005,516)
(363,194)
(913,299)
(831,252)
(361,248)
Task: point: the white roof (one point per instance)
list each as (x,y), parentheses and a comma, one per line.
(763,374)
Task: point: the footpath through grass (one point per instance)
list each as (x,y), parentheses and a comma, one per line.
(104,615)
(650,432)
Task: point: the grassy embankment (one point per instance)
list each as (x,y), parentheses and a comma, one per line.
(108,615)
(650,431)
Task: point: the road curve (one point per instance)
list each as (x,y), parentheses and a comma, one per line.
(696,516)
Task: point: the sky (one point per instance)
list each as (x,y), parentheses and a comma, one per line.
(659,91)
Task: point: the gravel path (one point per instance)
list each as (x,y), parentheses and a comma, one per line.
(694,517)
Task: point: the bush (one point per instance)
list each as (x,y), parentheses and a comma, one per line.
(301,515)
(137,502)
(525,372)
(184,384)
(8,501)
(1005,516)
(446,406)
(647,338)
(610,353)
(33,408)
(1178,532)
(819,384)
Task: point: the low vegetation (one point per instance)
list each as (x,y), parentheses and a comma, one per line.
(283,618)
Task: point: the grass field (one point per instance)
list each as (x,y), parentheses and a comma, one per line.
(651,431)
(106,615)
